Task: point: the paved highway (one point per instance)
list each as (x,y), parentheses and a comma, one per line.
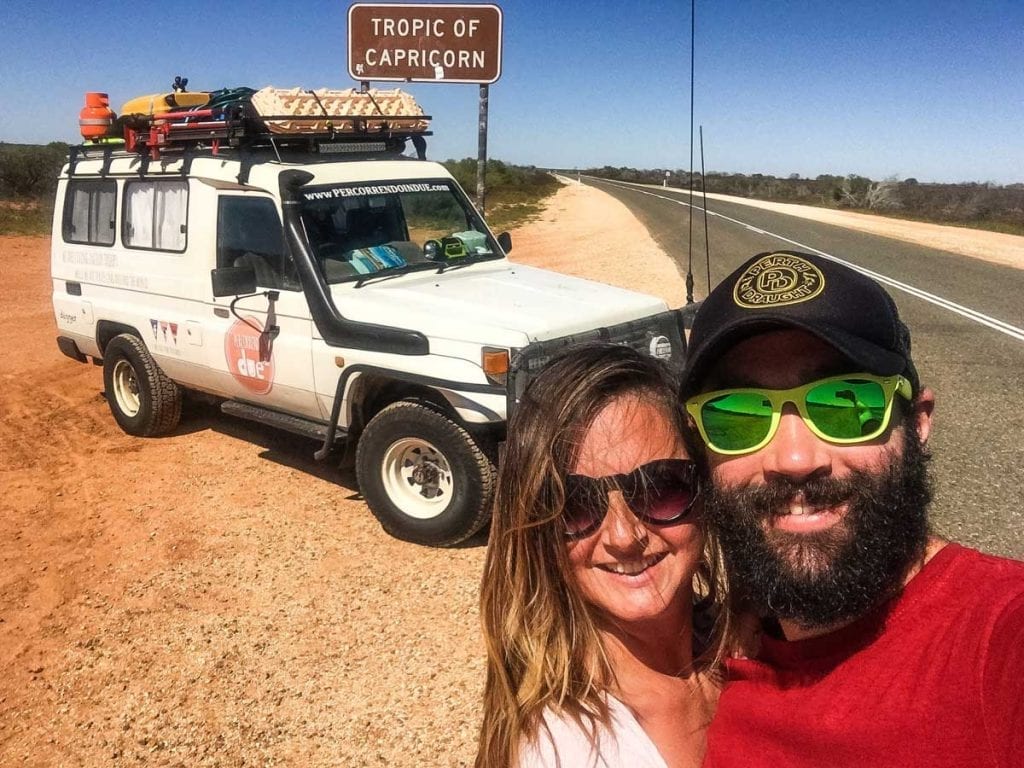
(967,321)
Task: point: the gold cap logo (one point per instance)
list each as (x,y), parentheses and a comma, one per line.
(776,280)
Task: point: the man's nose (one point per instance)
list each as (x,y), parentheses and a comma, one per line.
(795,452)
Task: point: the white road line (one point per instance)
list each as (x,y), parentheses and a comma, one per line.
(971,314)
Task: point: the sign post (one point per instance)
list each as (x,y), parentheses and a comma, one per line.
(429,43)
(481,151)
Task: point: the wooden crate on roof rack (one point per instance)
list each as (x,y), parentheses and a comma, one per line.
(384,110)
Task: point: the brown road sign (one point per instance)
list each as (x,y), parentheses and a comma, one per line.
(424,42)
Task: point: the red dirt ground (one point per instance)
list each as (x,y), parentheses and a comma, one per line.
(216,597)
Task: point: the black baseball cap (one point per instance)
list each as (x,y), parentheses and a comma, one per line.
(789,289)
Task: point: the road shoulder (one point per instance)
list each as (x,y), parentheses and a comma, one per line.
(994,247)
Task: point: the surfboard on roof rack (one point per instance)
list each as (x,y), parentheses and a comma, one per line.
(160,103)
(157,103)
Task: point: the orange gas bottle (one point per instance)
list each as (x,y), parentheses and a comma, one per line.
(96,116)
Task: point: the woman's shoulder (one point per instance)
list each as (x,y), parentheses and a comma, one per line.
(563,741)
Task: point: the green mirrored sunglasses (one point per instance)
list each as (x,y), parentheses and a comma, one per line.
(853,408)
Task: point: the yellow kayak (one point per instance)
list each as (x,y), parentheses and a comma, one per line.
(158,103)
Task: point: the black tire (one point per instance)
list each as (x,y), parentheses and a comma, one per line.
(143,400)
(423,476)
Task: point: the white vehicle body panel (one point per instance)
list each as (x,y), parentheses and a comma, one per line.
(494,302)
(202,341)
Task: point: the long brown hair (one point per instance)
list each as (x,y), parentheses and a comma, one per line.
(543,644)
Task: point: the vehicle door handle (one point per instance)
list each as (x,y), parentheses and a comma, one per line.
(221,312)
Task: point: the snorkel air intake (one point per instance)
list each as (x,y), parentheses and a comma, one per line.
(336,330)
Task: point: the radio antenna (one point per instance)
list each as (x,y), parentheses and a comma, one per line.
(689,245)
(704,187)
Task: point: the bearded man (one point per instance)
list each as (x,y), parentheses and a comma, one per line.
(883,645)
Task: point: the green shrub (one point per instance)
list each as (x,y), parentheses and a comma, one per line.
(30,171)
(25,217)
(28,182)
(515,193)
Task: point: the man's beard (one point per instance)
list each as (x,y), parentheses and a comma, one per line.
(834,575)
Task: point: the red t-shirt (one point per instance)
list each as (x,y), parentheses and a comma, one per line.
(933,678)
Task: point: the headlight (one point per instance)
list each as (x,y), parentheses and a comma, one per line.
(494,361)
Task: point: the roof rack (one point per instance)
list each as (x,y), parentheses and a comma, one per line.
(322,121)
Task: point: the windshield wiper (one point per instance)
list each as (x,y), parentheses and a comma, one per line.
(392,271)
(466,261)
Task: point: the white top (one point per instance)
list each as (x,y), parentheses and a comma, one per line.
(564,744)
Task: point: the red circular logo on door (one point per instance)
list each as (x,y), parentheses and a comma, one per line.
(248,355)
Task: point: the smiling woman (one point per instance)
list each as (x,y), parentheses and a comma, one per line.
(595,556)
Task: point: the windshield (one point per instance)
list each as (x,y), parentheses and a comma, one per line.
(357,230)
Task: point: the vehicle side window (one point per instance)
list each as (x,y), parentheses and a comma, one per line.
(249,234)
(155,215)
(89,212)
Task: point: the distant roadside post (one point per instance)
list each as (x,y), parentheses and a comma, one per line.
(429,43)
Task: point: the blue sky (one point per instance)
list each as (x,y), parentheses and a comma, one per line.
(928,89)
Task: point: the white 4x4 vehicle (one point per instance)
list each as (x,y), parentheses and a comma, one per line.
(358,299)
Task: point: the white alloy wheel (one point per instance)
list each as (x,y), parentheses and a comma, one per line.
(423,476)
(143,401)
(126,388)
(417,477)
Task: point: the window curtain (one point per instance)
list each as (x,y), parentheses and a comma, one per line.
(169,216)
(156,214)
(101,228)
(81,208)
(138,215)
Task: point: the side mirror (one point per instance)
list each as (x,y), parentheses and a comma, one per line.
(505,241)
(233,281)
